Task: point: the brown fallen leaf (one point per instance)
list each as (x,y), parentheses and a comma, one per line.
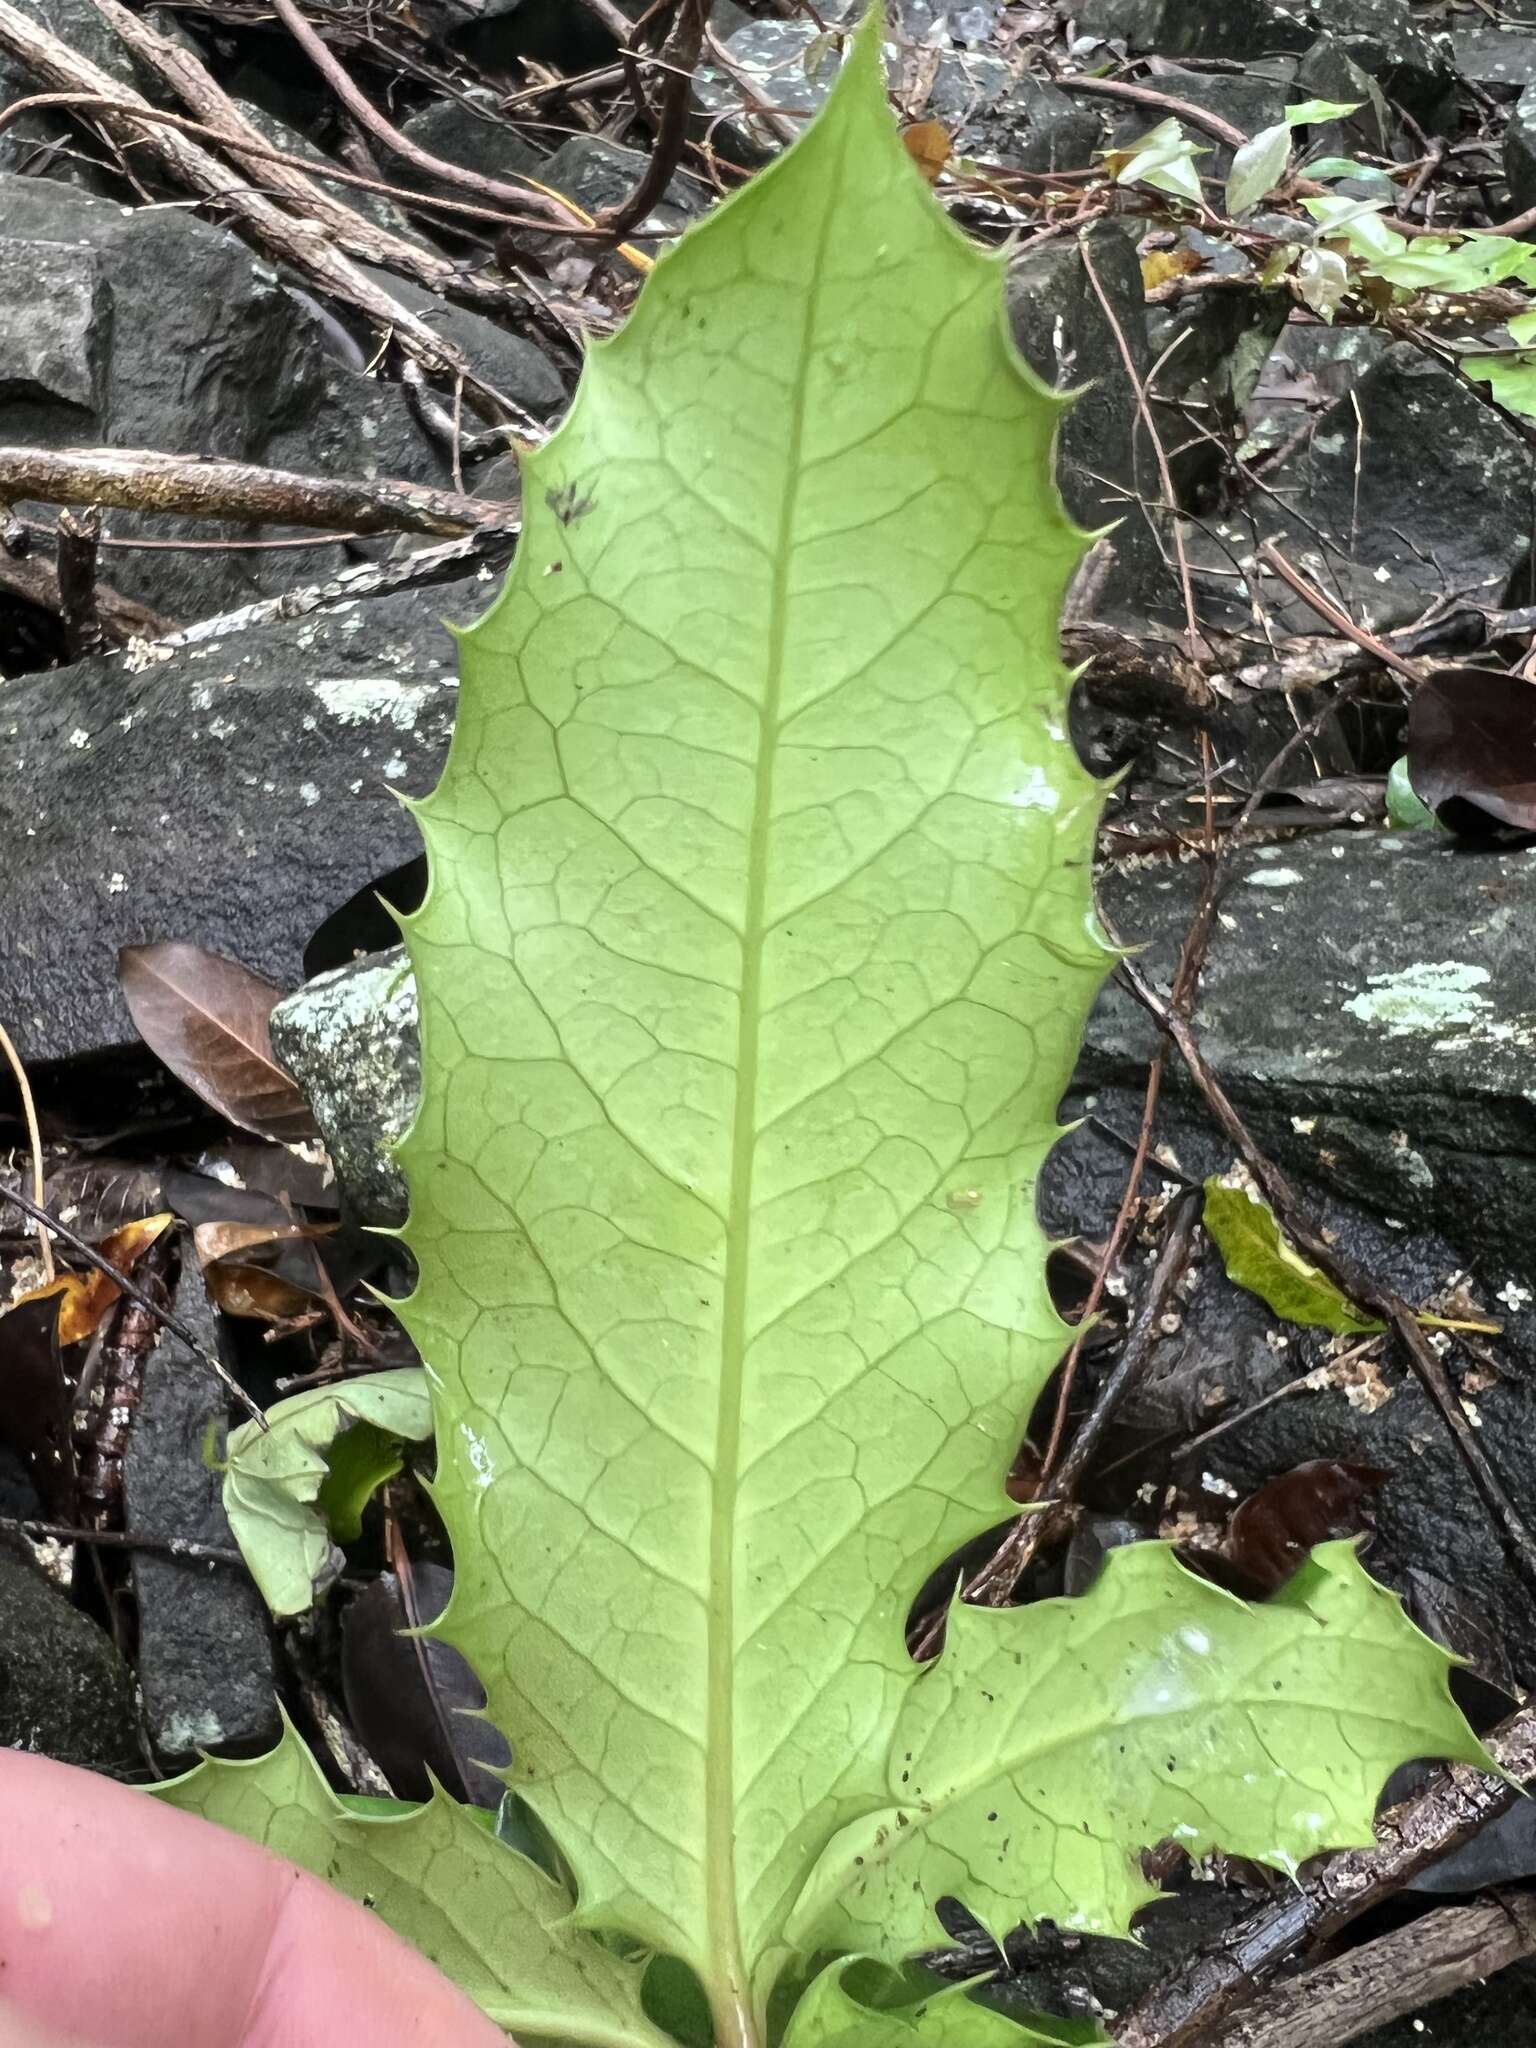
(1158,266)
(84,1298)
(206,1017)
(1273,1529)
(928,143)
(1472,749)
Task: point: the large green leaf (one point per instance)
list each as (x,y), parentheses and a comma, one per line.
(1046,1745)
(488,1917)
(756,954)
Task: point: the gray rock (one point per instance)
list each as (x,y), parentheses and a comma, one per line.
(192,345)
(514,365)
(1408,490)
(233,794)
(1329,72)
(206,1670)
(55,316)
(1493,57)
(64,1690)
(1368,1000)
(350,1040)
(1520,151)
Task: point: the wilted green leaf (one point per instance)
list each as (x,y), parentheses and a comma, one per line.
(1406,809)
(1258,1256)
(1325,167)
(1357,223)
(1164,158)
(1511,379)
(273,1479)
(492,1920)
(1258,167)
(829,2016)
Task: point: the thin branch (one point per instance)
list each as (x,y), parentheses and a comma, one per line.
(35,1140)
(680,54)
(148,480)
(79,542)
(134,1292)
(1336,615)
(117,1539)
(1397,1973)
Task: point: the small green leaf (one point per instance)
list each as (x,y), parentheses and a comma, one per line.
(1258,167)
(829,2016)
(1163,158)
(1258,1256)
(1522,327)
(494,1922)
(1406,809)
(1310,113)
(1357,223)
(274,1479)
(1049,1743)
(1511,379)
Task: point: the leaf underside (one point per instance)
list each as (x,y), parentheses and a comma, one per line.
(756,954)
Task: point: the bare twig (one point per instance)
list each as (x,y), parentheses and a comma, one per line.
(1397,1973)
(79,540)
(148,480)
(35,1140)
(134,1292)
(117,1539)
(1335,614)
(680,53)
(35,579)
(1456,1804)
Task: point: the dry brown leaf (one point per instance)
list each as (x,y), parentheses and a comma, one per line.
(206,1017)
(1158,266)
(86,1297)
(929,144)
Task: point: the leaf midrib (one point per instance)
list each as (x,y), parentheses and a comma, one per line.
(729,1986)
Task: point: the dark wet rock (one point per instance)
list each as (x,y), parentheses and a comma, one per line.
(509,362)
(1379,35)
(1501,2009)
(1369,1000)
(1037,127)
(466,131)
(205,1664)
(350,1039)
(1105,461)
(1309,366)
(193,346)
(600,175)
(65,1691)
(1214,347)
(1520,151)
(232,794)
(1409,490)
(1329,72)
